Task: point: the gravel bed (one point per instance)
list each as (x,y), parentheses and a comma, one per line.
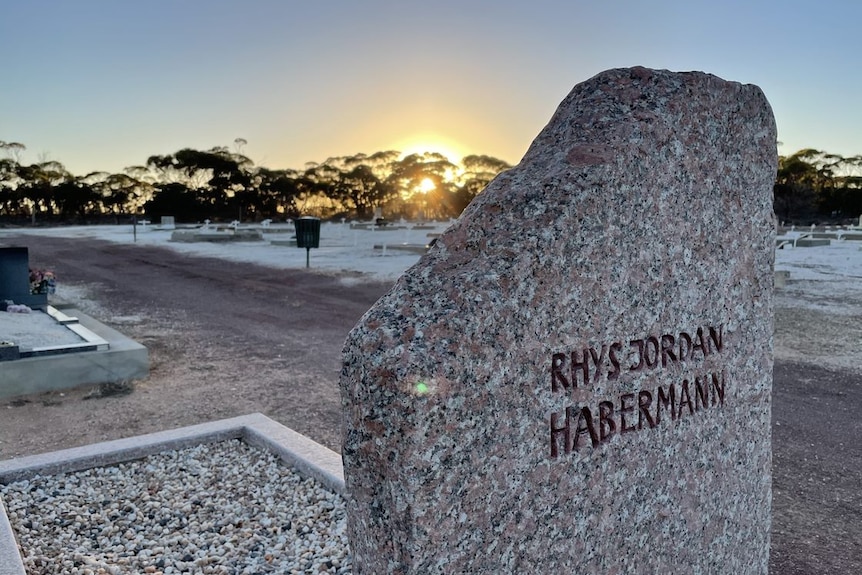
(223,508)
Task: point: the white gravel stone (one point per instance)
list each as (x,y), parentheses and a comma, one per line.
(223,508)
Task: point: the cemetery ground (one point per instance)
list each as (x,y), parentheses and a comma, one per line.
(229,338)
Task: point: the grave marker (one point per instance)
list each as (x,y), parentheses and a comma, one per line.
(577,376)
(15,278)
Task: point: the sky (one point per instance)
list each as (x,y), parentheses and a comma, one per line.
(100,85)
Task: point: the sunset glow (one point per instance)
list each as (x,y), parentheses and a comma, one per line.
(300,82)
(450,150)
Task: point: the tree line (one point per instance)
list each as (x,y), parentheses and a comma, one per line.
(812,185)
(223,184)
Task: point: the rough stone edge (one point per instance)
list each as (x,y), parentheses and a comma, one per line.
(307,457)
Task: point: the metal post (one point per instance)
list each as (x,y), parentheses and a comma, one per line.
(307,252)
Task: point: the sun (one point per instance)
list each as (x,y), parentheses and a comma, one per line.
(427,185)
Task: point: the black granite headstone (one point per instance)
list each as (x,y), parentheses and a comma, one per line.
(15,278)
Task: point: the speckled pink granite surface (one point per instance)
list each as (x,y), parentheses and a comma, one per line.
(577,377)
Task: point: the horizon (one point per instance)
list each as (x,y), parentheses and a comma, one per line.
(102,86)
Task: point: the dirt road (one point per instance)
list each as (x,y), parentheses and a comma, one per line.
(224,338)
(228,339)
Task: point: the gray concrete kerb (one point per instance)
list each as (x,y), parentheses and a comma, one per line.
(308,458)
(10,560)
(113,358)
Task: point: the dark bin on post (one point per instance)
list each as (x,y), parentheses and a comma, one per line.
(307,234)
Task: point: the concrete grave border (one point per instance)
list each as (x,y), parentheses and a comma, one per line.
(106,356)
(92,341)
(306,457)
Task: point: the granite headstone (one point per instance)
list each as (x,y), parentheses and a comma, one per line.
(577,377)
(15,278)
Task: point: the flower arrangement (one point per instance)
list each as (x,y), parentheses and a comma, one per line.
(42,281)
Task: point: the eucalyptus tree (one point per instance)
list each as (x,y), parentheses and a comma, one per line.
(360,190)
(426,180)
(175,199)
(220,178)
(841,197)
(811,184)
(477,171)
(76,199)
(170,169)
(11,200)
(316,190)
(13,150)
(120,193)
(277,192)
(361,182)
(37,183)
